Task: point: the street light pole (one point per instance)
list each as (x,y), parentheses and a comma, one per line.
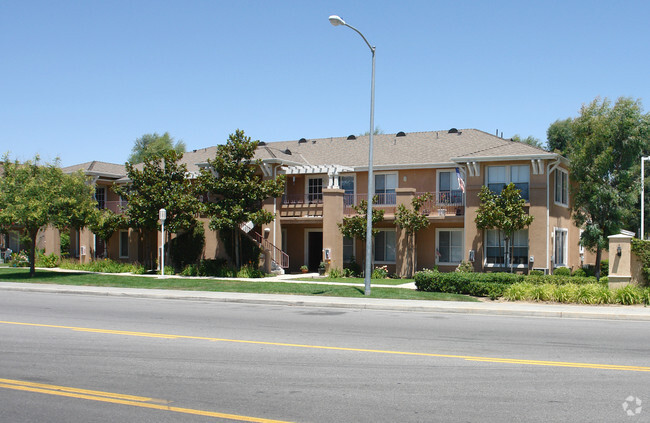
(336,21)
(643,159)
(162,214)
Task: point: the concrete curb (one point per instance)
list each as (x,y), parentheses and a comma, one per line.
(638,313)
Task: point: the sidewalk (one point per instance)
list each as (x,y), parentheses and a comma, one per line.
(521,309)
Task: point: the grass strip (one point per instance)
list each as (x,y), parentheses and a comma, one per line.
(216,285)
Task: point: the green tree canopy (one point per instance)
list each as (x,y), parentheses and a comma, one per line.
(160,183)
(150,145)
(504,212)
(605,166)
(238,189)
(560,135)
(33,196)
(530,140)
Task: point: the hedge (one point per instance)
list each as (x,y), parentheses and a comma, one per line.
(491,285)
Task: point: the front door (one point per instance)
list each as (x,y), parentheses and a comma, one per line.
(315,250)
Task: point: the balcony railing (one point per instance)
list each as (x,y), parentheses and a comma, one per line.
(114,206)
(444,203)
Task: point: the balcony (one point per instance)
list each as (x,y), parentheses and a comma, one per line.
(117,207)
(302,205)
(384,201)
(444,203)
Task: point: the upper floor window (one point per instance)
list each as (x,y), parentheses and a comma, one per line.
(449,191)
(100,196)
(385,186)
(500,176)
(315,190)
(347,185)
(562,187)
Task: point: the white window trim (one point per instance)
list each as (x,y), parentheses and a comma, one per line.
(322,180)
(557,203)
(354,178)
(504,265)
(508,175)
(566,248)
(452,177)
(462,231)
(127,244)
(373,247)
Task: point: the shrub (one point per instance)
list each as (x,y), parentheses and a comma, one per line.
(190,270)
(168,271)
(628,295)
(536,273)
(352,269)
(249,271)
(562,271)
(565,293)
(335,273)
(102,266)
(216,267)
(559,280)
(19,259)
(579,272)
(491,285)
(379,273)
(604,268)
(49,260)
(465,267)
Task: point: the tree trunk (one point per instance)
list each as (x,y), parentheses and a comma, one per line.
(32,253)
(598,260)
(237,250)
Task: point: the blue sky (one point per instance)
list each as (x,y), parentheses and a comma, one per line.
(82,80)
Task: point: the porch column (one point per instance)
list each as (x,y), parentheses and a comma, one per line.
(332,236)
(402,247)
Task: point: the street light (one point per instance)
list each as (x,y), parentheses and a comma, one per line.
(643,159)
(162,214)
(336,21)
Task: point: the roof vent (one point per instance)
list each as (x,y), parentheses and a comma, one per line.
(261,143)
(287,152)
(453,131)
(400,134)
(301,140)
(352,137)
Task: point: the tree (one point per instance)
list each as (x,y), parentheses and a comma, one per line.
(560,135)
(411,221)
(605,160)
(356,226)
(530,140)
(106,223)
(160,184)
(150,145)
(234,181)
(33,196)
(504,212)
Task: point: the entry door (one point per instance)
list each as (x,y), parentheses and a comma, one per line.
(315,250)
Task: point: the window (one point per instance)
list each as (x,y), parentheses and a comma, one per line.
(124,244)
(385,186)
(449,191)
(385,246)
(315,190)
(561,187)
(347,184)
(348,249)
(495,248)
(500,176)
(560,250)
(449,246)
(496,176)
(100,196)
(520,176)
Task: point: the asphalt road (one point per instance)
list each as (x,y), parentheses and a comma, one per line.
(79,358)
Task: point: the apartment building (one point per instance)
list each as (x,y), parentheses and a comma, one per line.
(325,177)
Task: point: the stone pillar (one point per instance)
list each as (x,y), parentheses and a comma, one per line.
(620,260)
(86,245)
(332,236)
(402,248)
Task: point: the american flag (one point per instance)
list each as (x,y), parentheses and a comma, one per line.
(461,183)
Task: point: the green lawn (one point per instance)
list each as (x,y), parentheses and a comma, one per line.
(361,281)
(255,286)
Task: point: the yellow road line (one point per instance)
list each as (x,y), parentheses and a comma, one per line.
(322,347)
(113,398)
